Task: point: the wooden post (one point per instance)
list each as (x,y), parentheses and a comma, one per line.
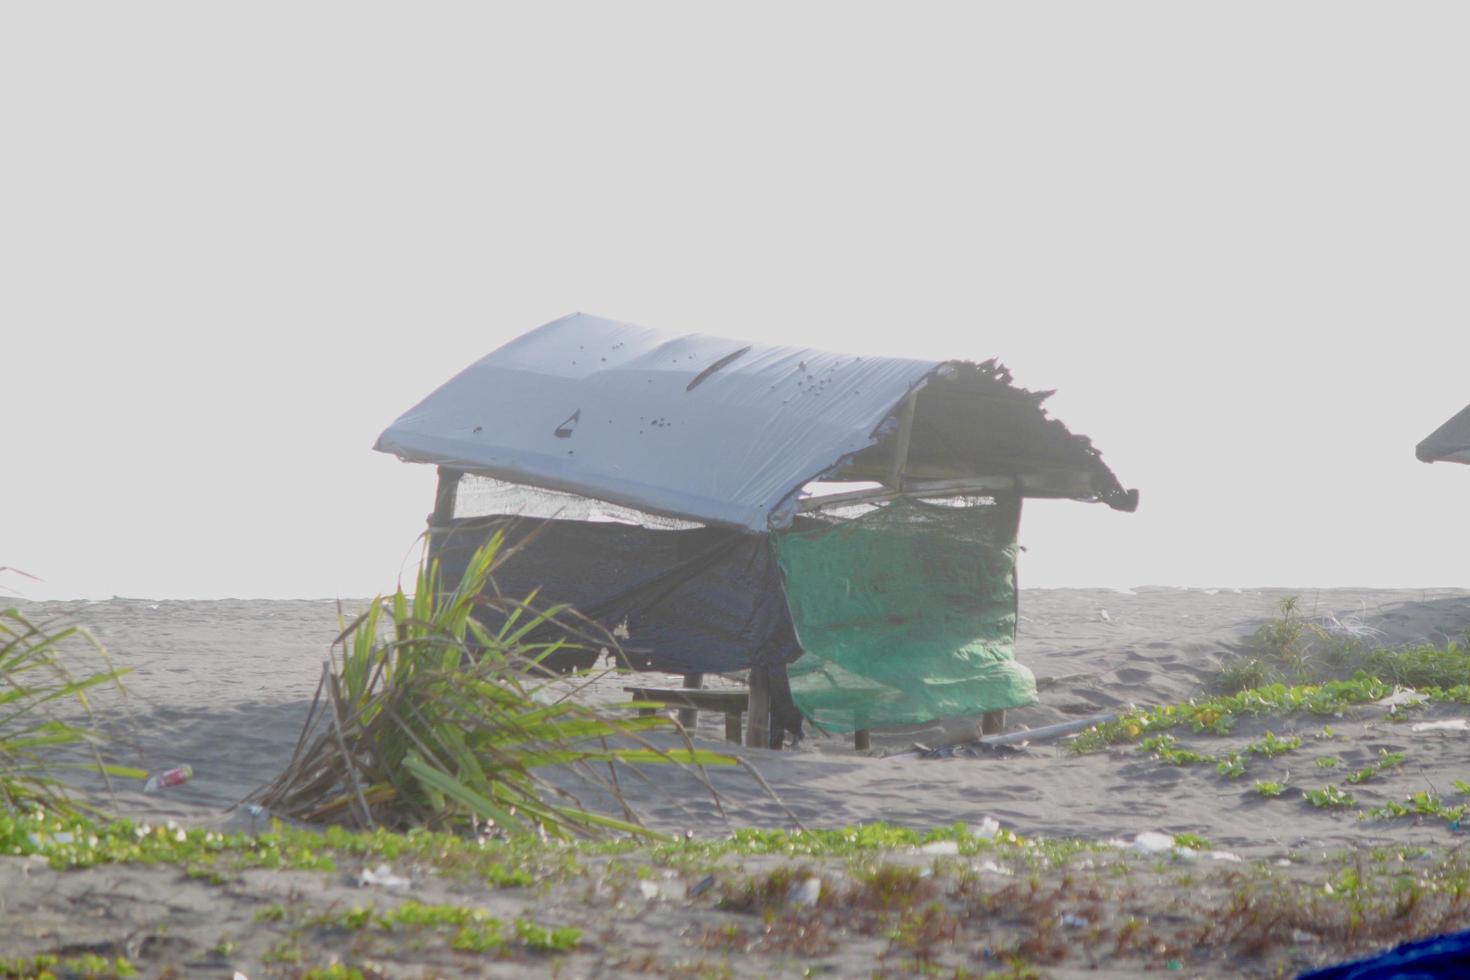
(758,717)
(901,441)
(1013,523)
(689,717)
(445,496)
(860,740)
(994,722)
(732,727)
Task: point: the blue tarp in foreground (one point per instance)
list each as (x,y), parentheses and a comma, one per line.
(1439,958)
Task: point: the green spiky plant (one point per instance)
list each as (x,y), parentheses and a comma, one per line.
(45,708)
(424,717)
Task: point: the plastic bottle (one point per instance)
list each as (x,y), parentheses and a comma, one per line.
(167,778)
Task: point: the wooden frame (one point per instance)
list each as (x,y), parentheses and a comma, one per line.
(732,703)
(446,496)
(901,441)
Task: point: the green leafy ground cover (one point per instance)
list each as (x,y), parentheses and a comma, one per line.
(1002,906)
(1438,673)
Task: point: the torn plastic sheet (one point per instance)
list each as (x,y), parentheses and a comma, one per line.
(907,614)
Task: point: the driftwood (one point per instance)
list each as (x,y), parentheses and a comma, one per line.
(1047,731)
(974,748)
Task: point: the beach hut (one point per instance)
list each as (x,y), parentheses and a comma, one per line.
(1450,443)
(842,527)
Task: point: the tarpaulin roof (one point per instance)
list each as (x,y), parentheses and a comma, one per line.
(727,431)
(1449,443)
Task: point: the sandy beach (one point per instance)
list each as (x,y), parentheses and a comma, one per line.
(224,687)
(756,330)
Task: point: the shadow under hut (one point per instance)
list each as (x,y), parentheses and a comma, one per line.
(842,528)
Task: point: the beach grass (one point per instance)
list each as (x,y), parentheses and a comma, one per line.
(45,707)
(1290,649)
(426,717)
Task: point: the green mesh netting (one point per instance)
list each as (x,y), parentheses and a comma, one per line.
(907,614)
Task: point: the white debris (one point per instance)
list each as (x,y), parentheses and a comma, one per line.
(986,829)
(1446,725)
(1152,842)
(1352,625)
(1103,613)
(940,847)
(990,866)
(1401,697)
(648,888)
(1189,854)
(805,892)
(383,877)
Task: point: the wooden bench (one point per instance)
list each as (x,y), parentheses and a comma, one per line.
(991,723)
(734,704)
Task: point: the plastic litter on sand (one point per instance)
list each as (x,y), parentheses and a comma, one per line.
(169,777)
(805,892)
(1152,842)
(383,877)
(1446,725)
(986,829)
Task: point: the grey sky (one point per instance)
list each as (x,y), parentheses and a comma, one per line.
(236,242)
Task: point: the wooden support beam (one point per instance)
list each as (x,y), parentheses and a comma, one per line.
(732,703)
(861,740)
(446,494)
(901,441)
(758,717)
(978,486)
(983,486)
(689,717)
